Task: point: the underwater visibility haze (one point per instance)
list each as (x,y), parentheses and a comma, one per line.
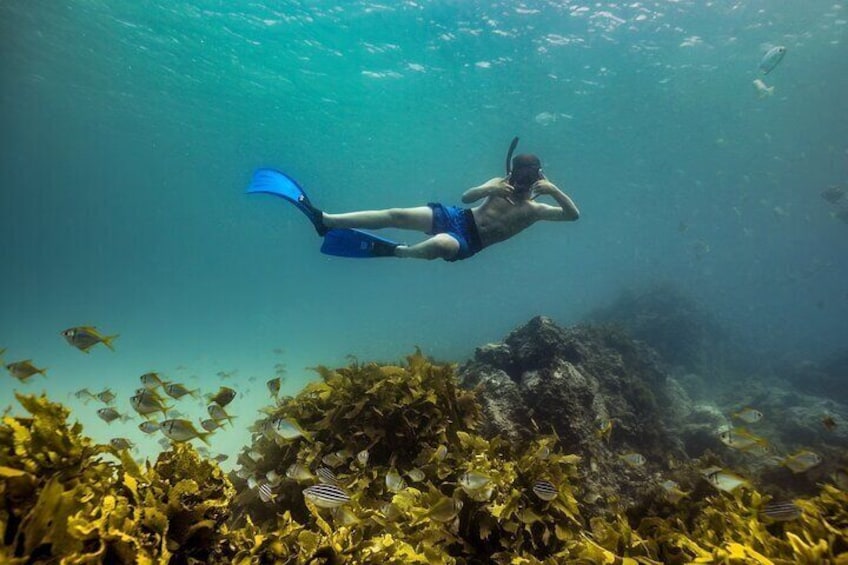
(703,142)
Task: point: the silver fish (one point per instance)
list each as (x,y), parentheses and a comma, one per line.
(282,427)
(109,415)
(149,427)
(106,396)
(217,412)
(151,380)
(22,370)
(121,443)
(177,391)
(210,425)
(472,480)
(298,472)
(274,386)
(86,337)
(772,58)
(362,457)
(182,430)
(326,496)
(224,396)
(545,490)
(147,402)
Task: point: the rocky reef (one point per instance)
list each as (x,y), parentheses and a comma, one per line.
(553,446)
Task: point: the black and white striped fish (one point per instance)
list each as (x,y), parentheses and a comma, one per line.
(545,490)
(326,496)
(266,493)
(326,476)
(781,511)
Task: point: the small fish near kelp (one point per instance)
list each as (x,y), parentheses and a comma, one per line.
(86,337)
(224,396)
(801,461)
(23,370)
(182,430)
(725,480)
(748,415)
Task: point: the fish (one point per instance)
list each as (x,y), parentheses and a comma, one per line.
(394,482)
(762,89)
(182,430)
(439,454)
(210,424)
(84,395)
(801,461)
(299,472)
(105,396)
(740,438)
(604,431)
(781,511)
(109,415)
(542,453)
(672,491)
(415,475)
(326,496)
(772,58)
(224,396)
(472,480)
(147,402)
(221,457)
(273,386)
(833,194)
(344,516)
(545,490)
(151,380)
(217,412)
(326,476)
(445,509)
(86,337)
(722,479)
(335,459)
(23,370)
(749,415)
(829,423)
(266,494)
(284,428)
(273,477)
(149,427)
(177,391)
(362,457)
(121,443)
(633,458)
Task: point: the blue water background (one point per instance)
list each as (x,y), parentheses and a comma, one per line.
(130,129)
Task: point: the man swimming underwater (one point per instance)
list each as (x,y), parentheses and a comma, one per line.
(508,208)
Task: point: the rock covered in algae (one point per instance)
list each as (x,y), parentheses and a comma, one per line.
(602,394)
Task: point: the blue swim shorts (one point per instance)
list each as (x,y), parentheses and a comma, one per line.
(459,224)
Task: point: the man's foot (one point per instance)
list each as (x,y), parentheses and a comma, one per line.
(315,215)
(384,248)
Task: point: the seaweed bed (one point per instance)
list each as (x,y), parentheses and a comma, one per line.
(67,500)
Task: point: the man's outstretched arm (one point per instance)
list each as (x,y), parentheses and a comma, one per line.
(567,210)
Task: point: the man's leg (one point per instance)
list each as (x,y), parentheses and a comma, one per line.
(418,219)
(440,246)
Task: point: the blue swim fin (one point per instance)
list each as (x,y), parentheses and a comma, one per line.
(357,243)
(271,181)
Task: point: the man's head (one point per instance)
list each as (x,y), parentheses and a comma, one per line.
(526,170)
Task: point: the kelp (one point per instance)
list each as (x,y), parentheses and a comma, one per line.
(65,499)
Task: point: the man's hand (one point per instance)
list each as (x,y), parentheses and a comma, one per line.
(497,186)
(542,187)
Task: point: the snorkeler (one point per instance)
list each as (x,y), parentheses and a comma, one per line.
(509,207)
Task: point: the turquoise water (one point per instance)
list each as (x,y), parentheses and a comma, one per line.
(130,130)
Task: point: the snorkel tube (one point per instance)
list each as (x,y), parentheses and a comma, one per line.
(509,153)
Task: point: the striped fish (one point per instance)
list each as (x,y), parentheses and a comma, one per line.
(326,496)
(266,494)
(781,511)
(545,490)
(326,476)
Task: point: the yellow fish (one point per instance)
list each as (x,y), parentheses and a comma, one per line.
(749,415)
(86,337)
(604,431)
(22,370)
(182,430)
(727,481)
(802,461)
